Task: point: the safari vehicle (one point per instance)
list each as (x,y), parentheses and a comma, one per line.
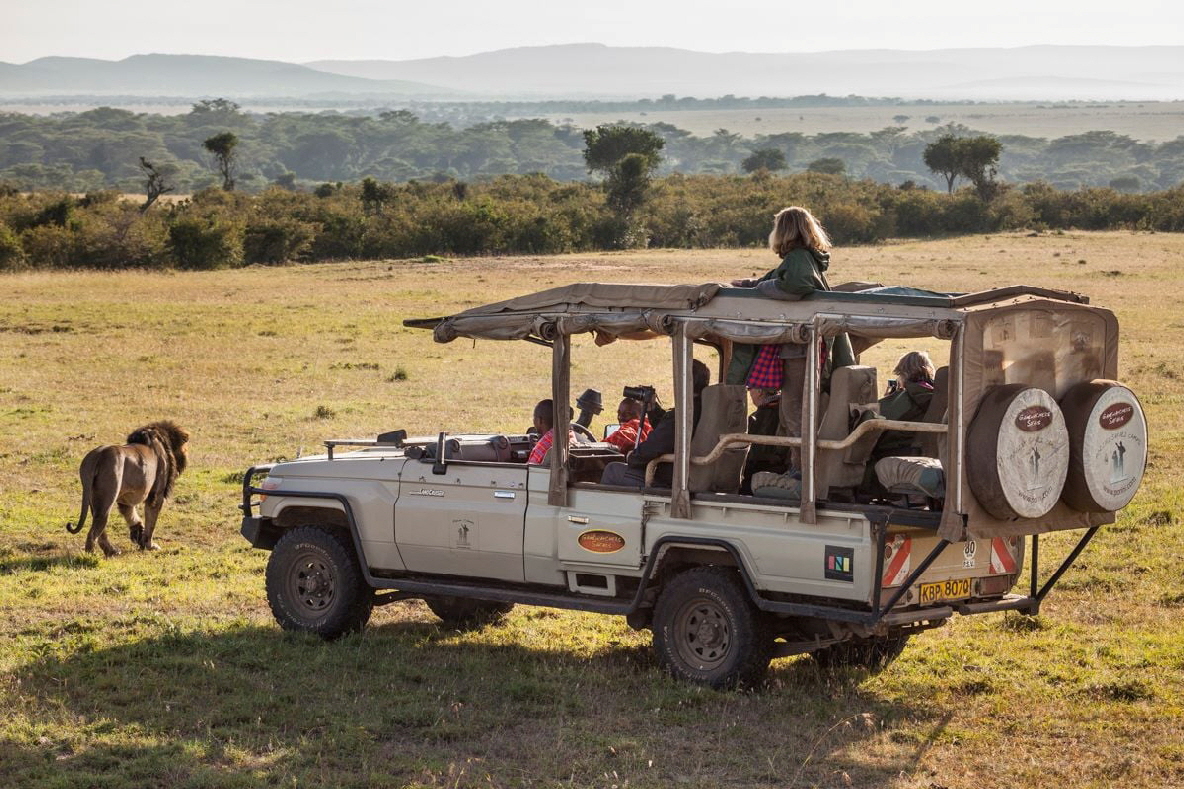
(1027,432)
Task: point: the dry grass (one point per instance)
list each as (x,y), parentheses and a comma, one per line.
(167,669)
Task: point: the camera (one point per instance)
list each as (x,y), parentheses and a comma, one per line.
(642,393)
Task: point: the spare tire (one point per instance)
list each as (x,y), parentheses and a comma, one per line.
(1017,452)
(1107,445)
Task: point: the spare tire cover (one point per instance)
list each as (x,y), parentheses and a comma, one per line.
(1107,445)
(1017,452)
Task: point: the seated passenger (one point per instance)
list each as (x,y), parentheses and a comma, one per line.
(629,416)
(544,425)
(764,421)
(631,473)
(907,400)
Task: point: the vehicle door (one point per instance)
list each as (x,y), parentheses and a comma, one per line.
(598,529)
(467,521)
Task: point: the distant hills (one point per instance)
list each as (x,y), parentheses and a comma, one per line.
(1025,73)
(586,71)
(193,75)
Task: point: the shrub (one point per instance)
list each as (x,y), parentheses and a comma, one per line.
(12,255)
(47,246)
(851,223)
(199,242)
(1010,211)
(277,240)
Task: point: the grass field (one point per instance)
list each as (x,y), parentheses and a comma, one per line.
(167,669)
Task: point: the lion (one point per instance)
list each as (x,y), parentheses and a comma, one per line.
(142,471)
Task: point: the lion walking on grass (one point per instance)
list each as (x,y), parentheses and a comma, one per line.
(142,471)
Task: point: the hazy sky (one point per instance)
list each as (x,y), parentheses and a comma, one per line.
(303,30)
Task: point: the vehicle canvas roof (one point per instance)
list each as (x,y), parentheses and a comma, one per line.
(648,311)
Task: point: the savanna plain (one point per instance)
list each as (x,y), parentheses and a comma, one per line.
(166,669)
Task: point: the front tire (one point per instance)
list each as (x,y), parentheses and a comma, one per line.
(315,584)
(707,631)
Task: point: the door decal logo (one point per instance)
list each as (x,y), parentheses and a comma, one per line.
(840,563)
(426,492)
(601,541)
(462,527)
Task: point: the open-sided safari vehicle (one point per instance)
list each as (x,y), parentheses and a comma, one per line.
(1027,432)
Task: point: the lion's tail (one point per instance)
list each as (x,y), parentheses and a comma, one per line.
(86,472)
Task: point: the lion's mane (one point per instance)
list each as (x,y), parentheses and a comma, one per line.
(167,439)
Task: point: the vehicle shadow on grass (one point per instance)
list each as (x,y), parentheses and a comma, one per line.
(411,701)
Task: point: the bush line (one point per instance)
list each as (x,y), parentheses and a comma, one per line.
(525,214)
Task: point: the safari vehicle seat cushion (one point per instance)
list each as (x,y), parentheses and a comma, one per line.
(484,448)
(723,409)
(919,475)
(852,385)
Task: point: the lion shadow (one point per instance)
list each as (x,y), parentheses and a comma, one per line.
(409,696)
(14,564)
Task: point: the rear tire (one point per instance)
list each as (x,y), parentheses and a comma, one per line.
(874,654)
(707,631)
(315,584)
(464,613)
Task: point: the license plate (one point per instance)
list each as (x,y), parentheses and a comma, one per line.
(945,590)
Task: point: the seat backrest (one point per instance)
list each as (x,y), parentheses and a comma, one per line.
(852,385)
(723,409)
(931,443)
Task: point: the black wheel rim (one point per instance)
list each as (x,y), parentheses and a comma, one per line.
(702,634)
(312,584)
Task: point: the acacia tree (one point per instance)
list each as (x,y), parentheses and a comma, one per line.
(222,107)
(627,155)
(764,159)
(942,158)
(222,147)
(606,146)
(973,158)
(627,184)
(980,157)
(830,165)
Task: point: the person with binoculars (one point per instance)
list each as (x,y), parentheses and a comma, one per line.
(660,442)
(634,427)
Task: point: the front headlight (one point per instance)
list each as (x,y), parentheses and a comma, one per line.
(271,483)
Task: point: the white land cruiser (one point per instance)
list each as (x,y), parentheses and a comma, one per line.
(1027,432)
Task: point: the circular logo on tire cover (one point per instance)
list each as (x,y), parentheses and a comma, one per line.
(1116,416)
(1033,453)
(601,541)
(1033,419)
(1114,448)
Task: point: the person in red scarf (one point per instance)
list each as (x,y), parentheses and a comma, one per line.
(629,416)
(544,425)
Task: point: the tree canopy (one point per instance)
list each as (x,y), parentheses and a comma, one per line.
(222,147)
(606,146)
(973,158)
(101,148)
(770,159)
